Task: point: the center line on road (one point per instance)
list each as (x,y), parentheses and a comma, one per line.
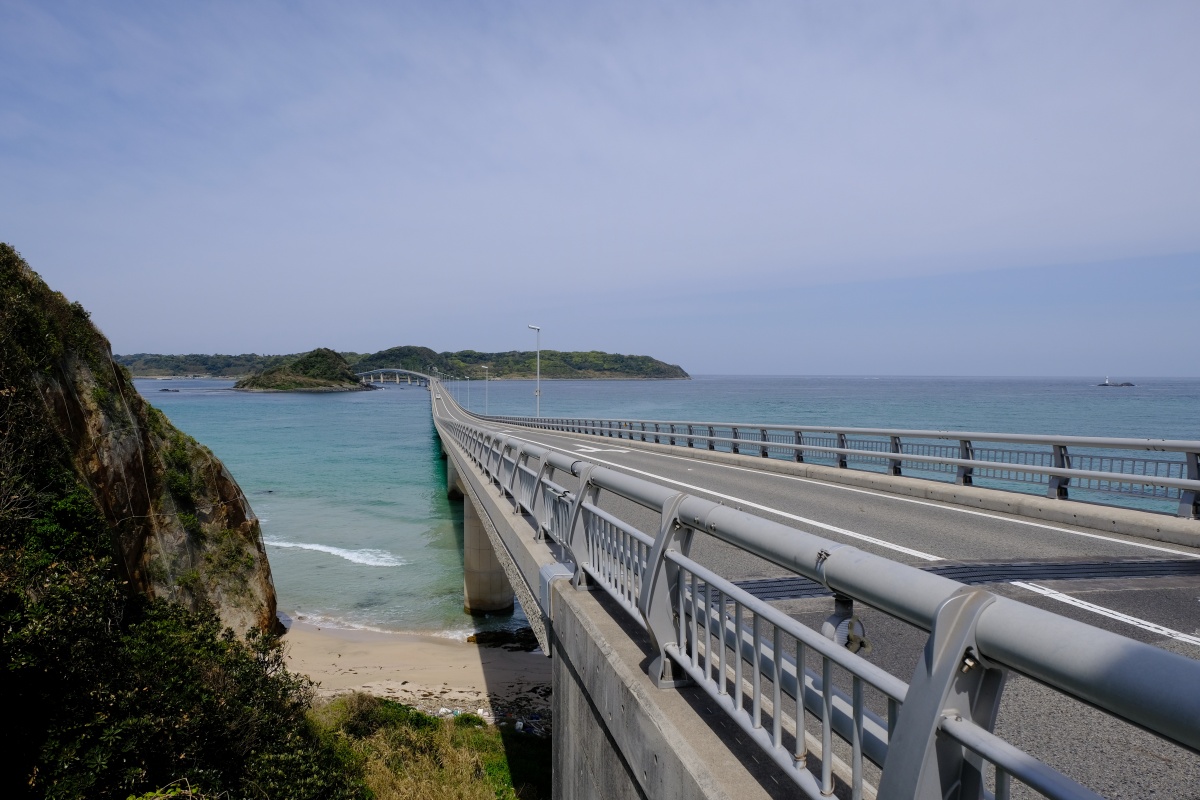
(1107,612)
(750,504)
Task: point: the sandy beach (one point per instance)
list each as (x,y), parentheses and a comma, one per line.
(434,674)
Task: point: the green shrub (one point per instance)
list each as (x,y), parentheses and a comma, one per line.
(191,524)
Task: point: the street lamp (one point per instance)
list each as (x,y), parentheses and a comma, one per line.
(468,393)
(485,390)
(538,392)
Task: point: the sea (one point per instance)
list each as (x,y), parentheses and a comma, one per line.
(351,491)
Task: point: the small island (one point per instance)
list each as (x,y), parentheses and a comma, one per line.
(321,370)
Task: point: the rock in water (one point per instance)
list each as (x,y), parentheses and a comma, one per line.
(181,526)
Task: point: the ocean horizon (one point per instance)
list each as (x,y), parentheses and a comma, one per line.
(350,487)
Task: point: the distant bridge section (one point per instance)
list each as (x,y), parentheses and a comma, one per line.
(394,376)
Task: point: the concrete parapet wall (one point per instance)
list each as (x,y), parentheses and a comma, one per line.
(1128,522)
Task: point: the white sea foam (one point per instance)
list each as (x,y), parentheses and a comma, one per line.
(323,621)
(371,558)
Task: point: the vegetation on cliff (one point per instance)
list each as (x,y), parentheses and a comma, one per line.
(514,364)
(125,551)
(318,370)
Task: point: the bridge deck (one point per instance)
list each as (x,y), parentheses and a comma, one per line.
(1142,589)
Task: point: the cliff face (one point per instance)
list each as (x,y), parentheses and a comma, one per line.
(181,527)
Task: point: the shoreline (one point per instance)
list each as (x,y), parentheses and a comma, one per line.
(437,675)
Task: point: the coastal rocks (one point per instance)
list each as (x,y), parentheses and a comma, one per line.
(180,525)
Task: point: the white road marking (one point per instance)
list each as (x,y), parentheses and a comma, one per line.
(943,507)
(750,504)
(1108,612)
(583,448)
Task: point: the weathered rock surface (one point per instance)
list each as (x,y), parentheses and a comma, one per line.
(181,526)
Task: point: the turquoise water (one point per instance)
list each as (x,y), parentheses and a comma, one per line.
(352,496)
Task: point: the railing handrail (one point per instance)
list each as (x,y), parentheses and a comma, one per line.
(1097,442)
(1062,451)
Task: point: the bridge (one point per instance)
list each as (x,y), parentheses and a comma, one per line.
(759,611)
(393,376)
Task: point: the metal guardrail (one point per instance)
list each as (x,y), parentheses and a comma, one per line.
(1057,463)
(778,679)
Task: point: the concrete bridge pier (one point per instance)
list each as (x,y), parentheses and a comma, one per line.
(486,589)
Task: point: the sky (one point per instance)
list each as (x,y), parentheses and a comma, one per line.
(926,188)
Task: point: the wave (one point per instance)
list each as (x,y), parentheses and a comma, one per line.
(371,558)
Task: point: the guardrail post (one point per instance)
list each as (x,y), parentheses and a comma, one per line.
(965,476)
(841,457)
(577,541)
(952,680)
(1189,501)
(799,447)
(711,434)
(672,439)
(734,445)
(643,431)
(895,462)
(690,442)
(656,441)
(1058,484)
(660,589)
(763,448)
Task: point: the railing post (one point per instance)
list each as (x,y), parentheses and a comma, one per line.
(577,539)
(799,447)
(711,435)
(660,590)
(735,441)
(965,476)
(763,448)
(1058,484)
(841,456)
(895,462)
(690,442)
(951,680)
(672,439)
(1189,501)
(656,441)
(643,431)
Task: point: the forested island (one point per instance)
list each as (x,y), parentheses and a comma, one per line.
(321,370)
(513,364)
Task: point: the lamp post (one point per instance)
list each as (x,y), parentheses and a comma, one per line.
(468,393)
(485,389)
(538,392)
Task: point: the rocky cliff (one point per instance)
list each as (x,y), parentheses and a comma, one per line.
(180,526)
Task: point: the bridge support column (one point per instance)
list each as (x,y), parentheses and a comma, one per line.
(453,481)
(485,586)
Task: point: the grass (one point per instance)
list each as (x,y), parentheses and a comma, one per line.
(406,754)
